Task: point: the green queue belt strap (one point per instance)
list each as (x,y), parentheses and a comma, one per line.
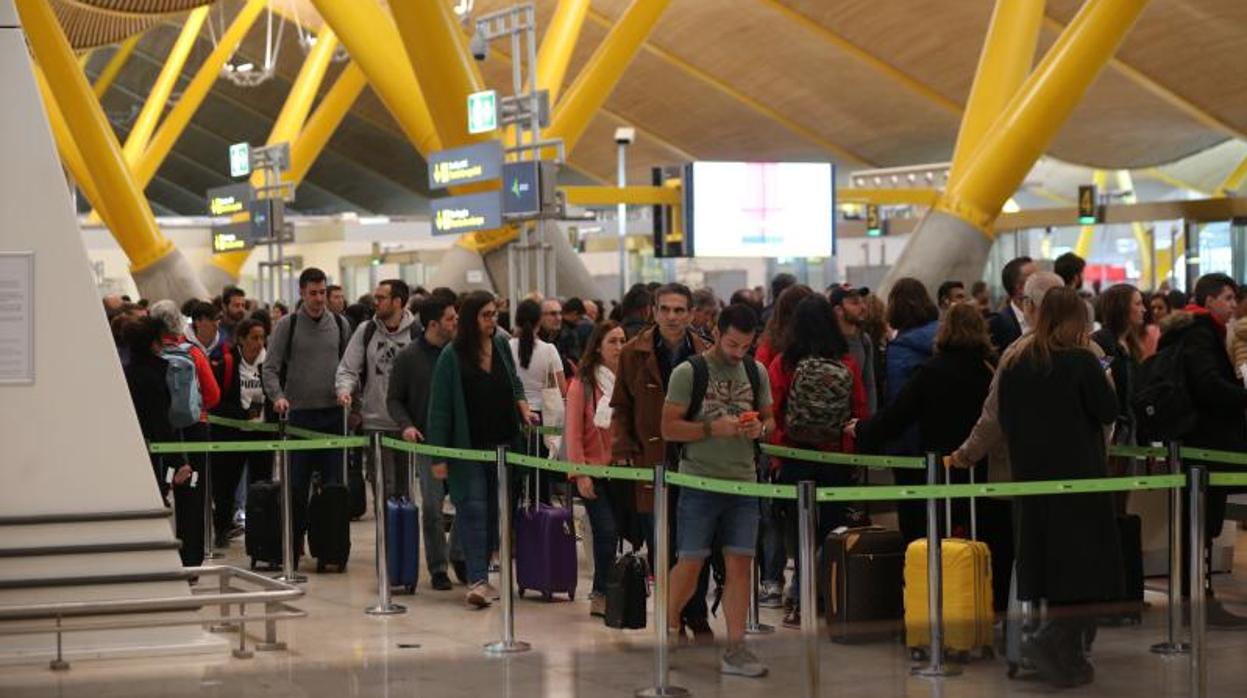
(464,454)
(1138,451)
(903,462)
(1000,489)
(257,446)
(1211,456)
(544,431)
(737,487)
(242,424)
(608,472)
(1227,479)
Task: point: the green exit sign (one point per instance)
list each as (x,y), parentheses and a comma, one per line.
(240,160)
(482,111)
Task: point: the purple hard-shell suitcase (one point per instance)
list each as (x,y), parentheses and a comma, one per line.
(545,548)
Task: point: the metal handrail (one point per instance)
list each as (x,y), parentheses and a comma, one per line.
(91,548)
(96,580)
(276,591)
(91,517)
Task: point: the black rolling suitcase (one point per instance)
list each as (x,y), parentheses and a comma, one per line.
(263,527)
(865,567)
(626,592)
(329,526)
(355,482)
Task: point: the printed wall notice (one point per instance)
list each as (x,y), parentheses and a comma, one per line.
(17,317)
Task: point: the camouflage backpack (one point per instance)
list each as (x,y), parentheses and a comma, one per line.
(819,401)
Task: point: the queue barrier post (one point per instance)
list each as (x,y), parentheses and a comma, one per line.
(508,644)
(662,581)
(807,531)
(936,667)
(753,624)
(289,567)
(1173,644)
(385,605)
(1199,666)
(210,552)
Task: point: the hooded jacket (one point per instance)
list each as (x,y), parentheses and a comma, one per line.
(1218,397)
(380,353)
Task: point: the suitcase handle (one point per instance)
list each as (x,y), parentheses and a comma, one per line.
(948,502)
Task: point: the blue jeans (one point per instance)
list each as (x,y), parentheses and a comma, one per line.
(605,538)
(476,517)
(327,464)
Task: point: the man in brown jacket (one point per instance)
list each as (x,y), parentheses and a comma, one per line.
(636,424)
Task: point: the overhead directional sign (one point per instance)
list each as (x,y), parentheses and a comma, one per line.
(482,111)
(467,213)
(240,159)
(521,188)
(1088,205)
(874,225)
(472,163)
(230,199)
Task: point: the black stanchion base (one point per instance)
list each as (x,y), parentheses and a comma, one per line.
(1171,649)
(503,647)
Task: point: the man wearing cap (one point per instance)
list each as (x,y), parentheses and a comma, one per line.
(850,309)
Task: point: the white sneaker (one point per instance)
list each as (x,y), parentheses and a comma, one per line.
(741,662)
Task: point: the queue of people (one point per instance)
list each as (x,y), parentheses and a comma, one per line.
(673,376)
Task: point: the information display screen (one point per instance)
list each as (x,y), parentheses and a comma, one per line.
(760,209)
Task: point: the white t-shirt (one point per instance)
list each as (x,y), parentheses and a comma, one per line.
(545,362)
(250,391)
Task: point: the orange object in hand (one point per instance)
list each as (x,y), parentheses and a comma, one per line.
(747,417)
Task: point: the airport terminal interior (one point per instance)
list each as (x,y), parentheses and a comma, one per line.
(623,348)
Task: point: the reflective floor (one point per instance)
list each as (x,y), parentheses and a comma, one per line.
(435,650)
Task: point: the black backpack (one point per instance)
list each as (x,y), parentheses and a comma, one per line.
(626,591)
(701,381)
(1163,409)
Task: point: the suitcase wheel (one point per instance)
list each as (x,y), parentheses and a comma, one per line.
(519,592)
(917,654)
(547,596)
(320,567)
(1013,670)
(253,564)
(989,653)
(411,589)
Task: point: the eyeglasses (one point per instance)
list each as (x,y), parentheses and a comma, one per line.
(379,298)
(489,314)
(552,312)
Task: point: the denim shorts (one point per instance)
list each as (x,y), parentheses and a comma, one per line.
(703,517)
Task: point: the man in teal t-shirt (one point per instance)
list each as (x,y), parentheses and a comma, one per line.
(719,443)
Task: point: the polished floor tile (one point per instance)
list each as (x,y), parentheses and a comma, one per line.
(435,650)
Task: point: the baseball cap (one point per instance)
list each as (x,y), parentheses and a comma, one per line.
(839,293)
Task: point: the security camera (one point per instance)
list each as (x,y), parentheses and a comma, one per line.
(625,135)
(479,46)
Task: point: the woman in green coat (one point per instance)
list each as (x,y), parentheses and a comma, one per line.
(476,402)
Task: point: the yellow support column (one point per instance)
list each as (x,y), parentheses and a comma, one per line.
(286,128)
(71,157)
(196,90)
(955,237)
(557,46)
(371,37)
(134,227)
(605,67)
(438,52)
(1006,59)
(114,65)
(1142,236)
(1086,235)
(324,121)
(158,97)
(1234,180)
(1032,117)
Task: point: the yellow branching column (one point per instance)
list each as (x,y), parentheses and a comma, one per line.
(953,240)
(558,44)
(159,269)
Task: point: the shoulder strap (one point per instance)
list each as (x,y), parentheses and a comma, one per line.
(751,370)
(701,381)
(344,333)
(370,330)
(285,358)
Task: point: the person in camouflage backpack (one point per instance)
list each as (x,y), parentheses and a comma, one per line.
(816,388)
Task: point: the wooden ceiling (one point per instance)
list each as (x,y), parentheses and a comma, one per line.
(864,83)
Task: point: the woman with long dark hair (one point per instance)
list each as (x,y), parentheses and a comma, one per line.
(1121,336)
(537,361)
(1055,400)
(816,356)
(779,327)
(476,402)
(588,438)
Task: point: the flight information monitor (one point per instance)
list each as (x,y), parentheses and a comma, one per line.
(760,209)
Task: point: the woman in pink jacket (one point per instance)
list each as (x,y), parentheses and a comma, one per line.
(587,430)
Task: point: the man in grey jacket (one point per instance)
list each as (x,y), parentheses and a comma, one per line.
(298,374)
(364,371)
(411,380)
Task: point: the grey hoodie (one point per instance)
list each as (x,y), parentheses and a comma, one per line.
(381,350)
